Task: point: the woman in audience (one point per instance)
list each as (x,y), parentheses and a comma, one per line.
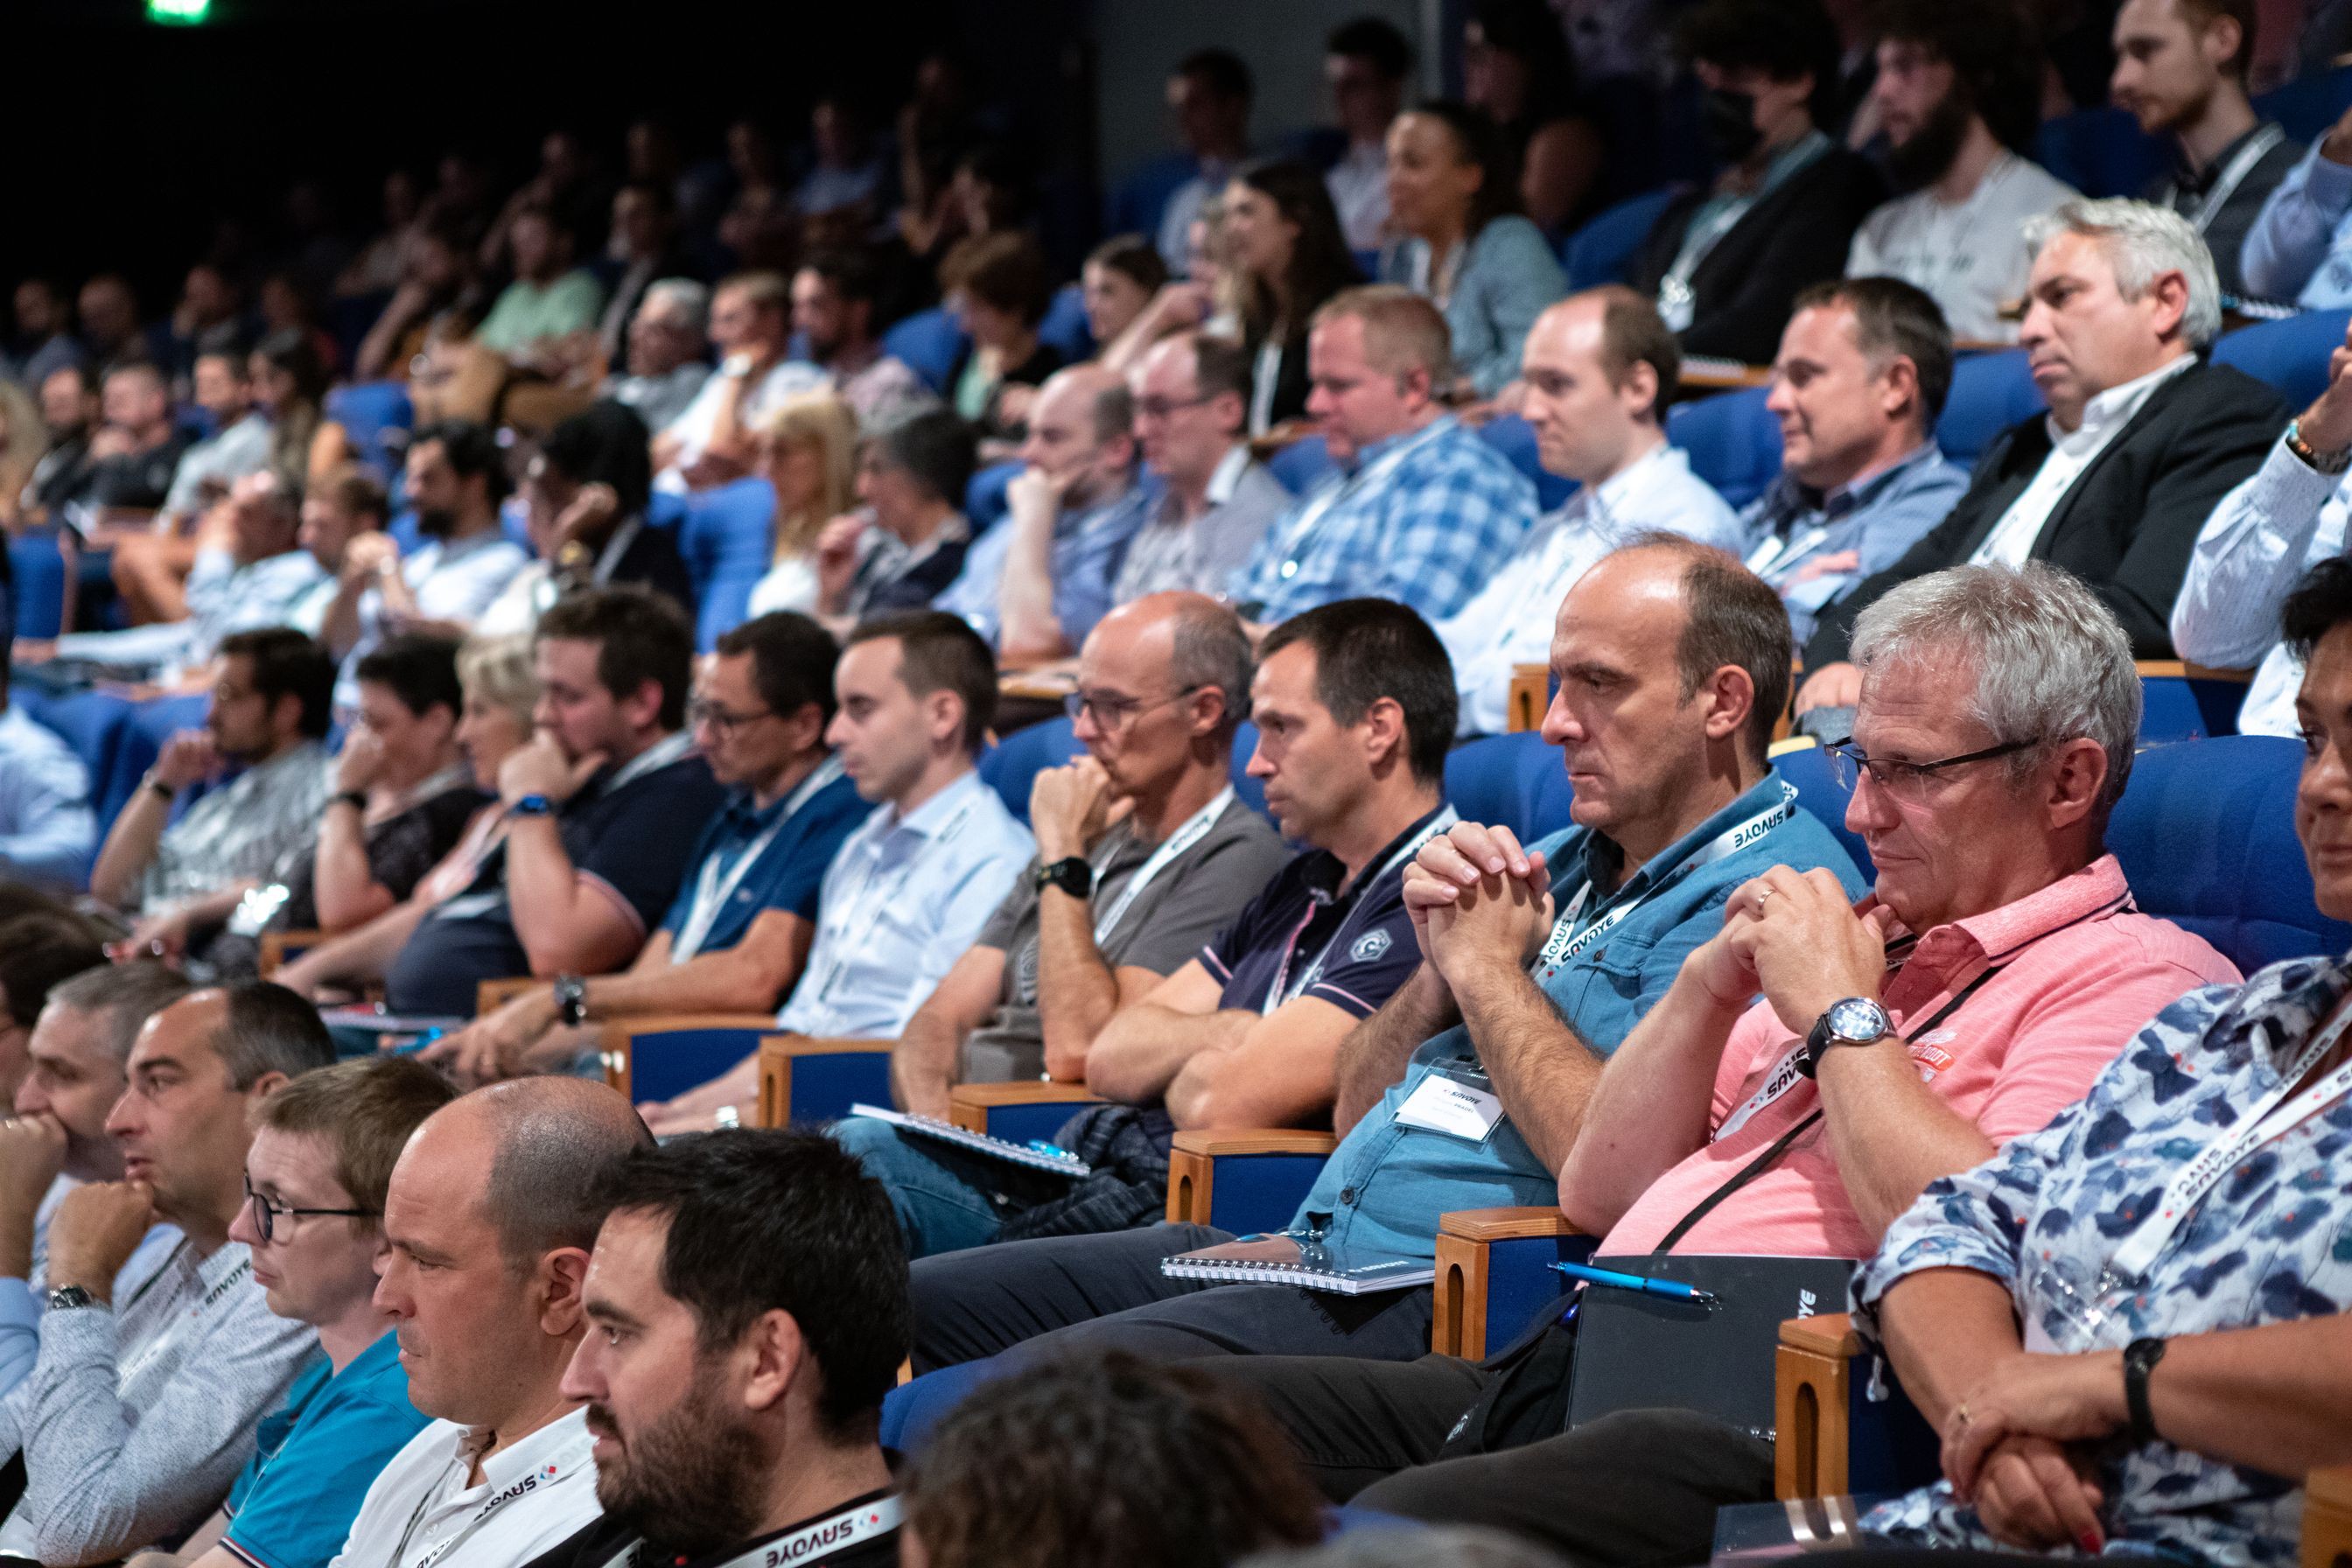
(1106,1460)
(808,453)
(1118,282)
(289,385)
(996,286)
(907,540)
(500,689)
(23,439)
(1489,268)
(1515,66)
(1206,296)
(1287,255)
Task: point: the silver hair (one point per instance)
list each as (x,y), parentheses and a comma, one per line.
(689,298)
(2051,662)
(2143,242)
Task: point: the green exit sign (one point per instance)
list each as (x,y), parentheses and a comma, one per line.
(179,13)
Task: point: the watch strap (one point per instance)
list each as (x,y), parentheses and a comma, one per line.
(2328,462)
(70,1298)
(1075,875)
(572,999)
(355,798)
(2140,1357)
(532,806)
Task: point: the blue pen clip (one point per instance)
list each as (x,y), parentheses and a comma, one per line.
(1671,1289)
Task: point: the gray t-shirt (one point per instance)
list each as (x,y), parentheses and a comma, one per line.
(1185,904)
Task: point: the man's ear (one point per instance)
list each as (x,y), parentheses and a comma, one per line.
(2074,782)
(773,1352)
(561,1274)
(1728,698)
(1385,741)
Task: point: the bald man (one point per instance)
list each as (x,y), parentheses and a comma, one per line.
(1035,584)
(488,1227)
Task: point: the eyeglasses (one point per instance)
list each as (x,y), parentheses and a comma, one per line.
(719,718)
(266,1213)
(1165,407)
(1114,712)
(1848,761)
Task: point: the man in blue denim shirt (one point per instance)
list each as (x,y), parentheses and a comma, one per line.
(1672,662)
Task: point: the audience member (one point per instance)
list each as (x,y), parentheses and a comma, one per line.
(346,506)
(735,935)
(2181,71)
(914,696)
(1120,277)
(839,193)
(1191,405)
(1957,94)
(1517,69)
(40,949)
(2300,247)
(1106,1460)
(23,439)
(808,454)
(134,1421)
(643,251)
(1209,100)
(996,286)
(438,285)
(42,344)
(1600,370)
(47,831)
(1036,584)
(184,879)
(239,444)
(1423,511)
(1858,385)
(70,408)
(375,267)
(136,450)
(2122,306)
(713,442)
(836,300)
(666,367)
(488,1221)
(1724,262)
(547,300)
(205,321)
(1281,241)
(1672,663)
(1367,66)
(603,805)
(289,384)
(584,496)
(109,314)
(746,1318)
(1462,245)
(907,540)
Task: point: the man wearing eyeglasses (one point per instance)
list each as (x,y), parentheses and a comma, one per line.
(1192,407)
(738,931)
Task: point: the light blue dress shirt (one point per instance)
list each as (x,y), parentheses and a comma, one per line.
(47,830)
(1790,525)
(2300,247)
(1089,546)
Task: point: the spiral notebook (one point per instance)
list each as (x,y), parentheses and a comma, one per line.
(1287,1258)
(1037,1156)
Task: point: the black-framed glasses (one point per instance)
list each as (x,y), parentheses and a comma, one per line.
(1114,712)
(266,1214)
(1848,761)
(699,711)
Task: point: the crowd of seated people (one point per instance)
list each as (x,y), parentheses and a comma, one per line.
(385,812)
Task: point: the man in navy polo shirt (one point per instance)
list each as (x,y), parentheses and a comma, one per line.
(738,931)
(1462,1090)
(603,808)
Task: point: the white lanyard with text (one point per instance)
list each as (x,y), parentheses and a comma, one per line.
(1567,943)
(2233,176)
(213,1296)
(552,1472)
(661,755)
(1183,838)
(1310,517)
(711,892)
(2265,1121)
(1282,991)
(867,904)
(1785,553)
(862,1522)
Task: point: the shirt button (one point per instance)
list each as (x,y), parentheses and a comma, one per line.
(1348,1195)
(1289,570)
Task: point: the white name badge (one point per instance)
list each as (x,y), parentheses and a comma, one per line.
(1450,1106)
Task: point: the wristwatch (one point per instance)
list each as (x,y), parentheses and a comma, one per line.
(355,798)
(2334,461)
(66,1297)
(1855,1021)
(2140,1357)
(572,999)
(1075,876)
(532,806)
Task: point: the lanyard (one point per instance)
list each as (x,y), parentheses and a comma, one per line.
(1320,507)
(2271,1116)
(1567,943)
(548,1474)
(2233,175)
(859,1522)
(711,892)
(867,903)
(1183,838)
(1677,302)
(1282,991)
(661,755)
(1786,552)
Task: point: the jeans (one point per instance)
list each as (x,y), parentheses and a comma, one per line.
(947,1200)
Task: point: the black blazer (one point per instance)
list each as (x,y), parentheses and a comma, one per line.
(1796,237)
(2128,525)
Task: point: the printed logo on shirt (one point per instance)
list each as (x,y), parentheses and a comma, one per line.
(1369,946)
(528,1484)
(816,1542)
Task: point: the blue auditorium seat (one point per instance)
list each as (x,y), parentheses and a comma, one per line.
(2101,152)
(39,569)
(928,342)
(1990,391)
(983,498)
(1301,464)
(1602,250)
(2306,107)
(1818,791)
(727,538)
(1011,765)
(370,412)
(1734,442)
(1512,436)
(1139,199)
(1517,781)
(2181,707)
(1065,329)
(2289,356)
(92,724)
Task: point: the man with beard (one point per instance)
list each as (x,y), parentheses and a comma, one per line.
(837,308)
(748,1311)
(1957,93)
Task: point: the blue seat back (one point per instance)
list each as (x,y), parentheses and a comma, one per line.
(928,342)
(2289,356)
(1990,391)
(1734,442)
(1516,439)
(1516,781)
(665,1065)
(2306,107)
(1065,329)
(1603,249)
(1012,764)
(983,498)
(377,415)
(1139,198)
(1301,464)
(92,724)
(726,536)
(1818,791)
(2101,152)
(2175,708)
(39,569)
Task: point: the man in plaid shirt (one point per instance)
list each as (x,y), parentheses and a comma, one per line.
(1423,512)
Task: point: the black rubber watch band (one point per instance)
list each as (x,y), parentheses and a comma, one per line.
(2140,1357)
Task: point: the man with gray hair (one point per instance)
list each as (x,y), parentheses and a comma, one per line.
(1996,968)
(2144,436)
(666,367)
(488,1225)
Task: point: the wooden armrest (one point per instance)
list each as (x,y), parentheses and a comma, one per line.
(1466,1275)
(1528,695)
(779,1052)
(1506,1224)
(277,947)
(2328,1517)
(1193,1165)
(2178,669)
(1823,1335)
(492,995)
(1813,1404)
(1210,1143)
(970,1104)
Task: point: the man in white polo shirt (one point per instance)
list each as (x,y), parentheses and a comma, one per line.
(488,1225)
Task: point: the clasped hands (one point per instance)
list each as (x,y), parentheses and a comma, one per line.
(1796,937)
(2015,1447)
(1477,898)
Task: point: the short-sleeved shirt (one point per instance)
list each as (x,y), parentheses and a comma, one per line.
(1380,1194)
(803,828)
(293,1503)
(861,1534)
(253,827)
(532,1496)
(1188,899)
(629,830)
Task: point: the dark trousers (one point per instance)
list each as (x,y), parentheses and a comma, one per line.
(1069,1293)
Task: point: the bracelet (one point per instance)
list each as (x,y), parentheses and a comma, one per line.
(355,798)
(160,787)
(2139,1360)
(2329,462)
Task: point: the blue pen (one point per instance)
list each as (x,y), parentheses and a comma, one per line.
(1671,1289)
(1039,1146)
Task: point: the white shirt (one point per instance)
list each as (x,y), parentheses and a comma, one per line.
(1509,621)
(533,1496)
(1359,183)
(693,427)
(450,580)
(1970,255)
(790,584)
(2072,453)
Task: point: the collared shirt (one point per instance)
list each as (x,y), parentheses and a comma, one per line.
(892,575)
(808,824)
(1968,256)
(693,427)
(47,830)
(451,580)
(218,461)
(2265,1245)
(293,1503)
(2285,519)
(903,898)
(1425,519)
(1201,554)
(251,828)
(222,597)
(1879,518)
(659,399)
(1381,1192)
(531,1497)
(1089,544)
(1509,621)
(2222,200)
(24,1302)
(1359,183)
(136,1419)
(2078,968)
(2300,247)
(2072,453)
(871,1541)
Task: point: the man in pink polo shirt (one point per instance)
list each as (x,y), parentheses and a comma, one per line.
(1998,965)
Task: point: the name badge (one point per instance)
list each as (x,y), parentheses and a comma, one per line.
(1448,1105)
